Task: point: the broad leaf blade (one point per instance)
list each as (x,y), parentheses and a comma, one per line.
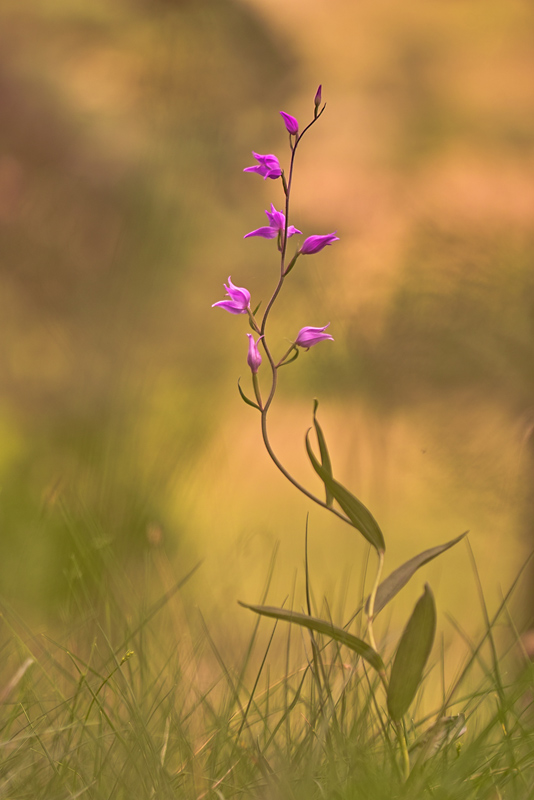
(400,576)
(322,626)
(323,449)
(412,654)
(360,516)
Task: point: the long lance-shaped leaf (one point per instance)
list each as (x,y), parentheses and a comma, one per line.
(245,398)
(322,626)
(412,654)
(323,449)
(360,516)
(400,576)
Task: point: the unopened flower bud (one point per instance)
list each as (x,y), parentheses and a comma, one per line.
(253,356)
(290,122)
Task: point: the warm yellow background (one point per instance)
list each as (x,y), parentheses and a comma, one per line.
(124,129)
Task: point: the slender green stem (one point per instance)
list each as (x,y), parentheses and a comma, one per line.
(257,392)
(405,756)
(275,366)
(287,475)
(283,359)
(287,191)
(252,319)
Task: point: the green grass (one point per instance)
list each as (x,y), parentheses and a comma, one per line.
(139,699)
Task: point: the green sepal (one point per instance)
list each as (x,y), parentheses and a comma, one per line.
(411,656)
(359,516)
(325,456)
(245,398)
(326,628)
(400,576)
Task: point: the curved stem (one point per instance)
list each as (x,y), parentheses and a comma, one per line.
(269,306)
(287,191)
(257,392)
(274,367)
(282,361)
(287,475)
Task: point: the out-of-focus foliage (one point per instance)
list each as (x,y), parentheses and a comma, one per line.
(120,128)
(124,129)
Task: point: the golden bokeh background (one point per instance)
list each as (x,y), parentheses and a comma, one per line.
(124,130)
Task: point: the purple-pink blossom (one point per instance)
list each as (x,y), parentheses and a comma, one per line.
(268,166)
(315,243)
(277,223)
(291,123)
(318,94)
(253,356)
(309,336)
(239,301)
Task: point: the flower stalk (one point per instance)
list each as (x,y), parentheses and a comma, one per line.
(414,646)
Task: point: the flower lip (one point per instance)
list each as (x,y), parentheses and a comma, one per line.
(313,244)
(308,336)
(277,223)
(268,166)
(239,301)
(291,123)
(253,355)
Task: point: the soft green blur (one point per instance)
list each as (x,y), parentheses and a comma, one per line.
(124,129)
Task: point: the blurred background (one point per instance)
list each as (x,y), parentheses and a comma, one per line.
(124,130)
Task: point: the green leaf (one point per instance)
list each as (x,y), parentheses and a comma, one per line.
(325,456)
(412,654)
(290,360)
(400,576)
(245,398)
(322,626)
(360,517)
(292,263)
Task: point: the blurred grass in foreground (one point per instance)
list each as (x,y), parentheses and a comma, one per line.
(143,698)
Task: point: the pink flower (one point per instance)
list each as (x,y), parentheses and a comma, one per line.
(268,166)
(290,122)
(253,356)
(318,94)
(239,302)
(315,243)
(308,336)
(277,223)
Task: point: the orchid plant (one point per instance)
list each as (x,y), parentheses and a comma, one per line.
(401,677)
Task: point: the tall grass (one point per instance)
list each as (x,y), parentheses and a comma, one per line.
(140,697)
